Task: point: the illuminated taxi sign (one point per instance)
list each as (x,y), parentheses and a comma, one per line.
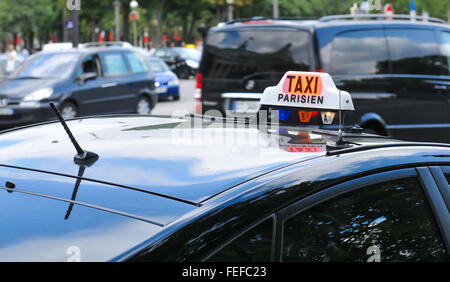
(303,84)
(311,90)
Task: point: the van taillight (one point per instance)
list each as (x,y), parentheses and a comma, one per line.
(198,95)
(199,80)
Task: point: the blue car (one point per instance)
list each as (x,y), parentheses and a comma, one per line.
(166,82)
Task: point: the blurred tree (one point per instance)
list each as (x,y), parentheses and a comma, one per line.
(30,18)
(436,8)
(185,15)
(41,18)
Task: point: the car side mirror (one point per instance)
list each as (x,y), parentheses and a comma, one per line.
(86,76)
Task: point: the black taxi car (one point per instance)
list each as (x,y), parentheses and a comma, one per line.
(193,189)
(396,69)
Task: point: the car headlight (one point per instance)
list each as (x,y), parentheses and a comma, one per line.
(157,84)
(39,94)
(192,64)
(173,82)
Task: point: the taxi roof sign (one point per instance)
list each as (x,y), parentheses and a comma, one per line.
(313,90)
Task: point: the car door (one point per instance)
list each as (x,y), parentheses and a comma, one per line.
(138,80)
(421,78)
(392,216)
(117,96)
(89,93)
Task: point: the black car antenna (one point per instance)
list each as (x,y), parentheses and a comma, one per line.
(85,158)
(340,142)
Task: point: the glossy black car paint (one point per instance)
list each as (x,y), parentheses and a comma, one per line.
(160,189)
(100,95)
(196,237)
(406,106)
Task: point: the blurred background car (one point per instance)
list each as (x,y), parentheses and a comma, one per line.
(166,82)
(182,61)
(80,82)
(397,70)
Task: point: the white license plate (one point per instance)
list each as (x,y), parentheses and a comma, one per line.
(6,112)
(161,90)
(245,106)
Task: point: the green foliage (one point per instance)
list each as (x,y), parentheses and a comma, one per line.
(314,8)
(45,17)
(26,16)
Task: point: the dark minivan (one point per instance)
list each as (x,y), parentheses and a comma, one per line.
(80,82)
(397,71)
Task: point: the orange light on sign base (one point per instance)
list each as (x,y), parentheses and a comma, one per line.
(305,116)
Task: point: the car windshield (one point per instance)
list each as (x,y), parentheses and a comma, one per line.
(46,66)
(158,66)
(188,53)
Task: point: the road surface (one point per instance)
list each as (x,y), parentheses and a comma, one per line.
(186,102)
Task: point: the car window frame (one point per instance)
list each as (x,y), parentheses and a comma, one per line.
(104,68)
(439,35)
(242,232)
(423,174)
(83,59)
(439,175)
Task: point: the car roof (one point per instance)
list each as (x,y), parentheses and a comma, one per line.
(165,156)
(153,58)
(162,163)
(86,50)
(329,21)
(151,171)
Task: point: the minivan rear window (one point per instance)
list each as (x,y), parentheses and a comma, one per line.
(250,52)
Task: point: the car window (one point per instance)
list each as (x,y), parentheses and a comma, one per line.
(359,52)
(114,64)
(391,221)
(189,54)
(90,64)
(136,63)
(47,65)
(161,53)
(158,66)
(253,245)
(446,46)
(249,52)
(415,51)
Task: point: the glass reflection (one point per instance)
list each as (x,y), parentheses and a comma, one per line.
(393,217)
